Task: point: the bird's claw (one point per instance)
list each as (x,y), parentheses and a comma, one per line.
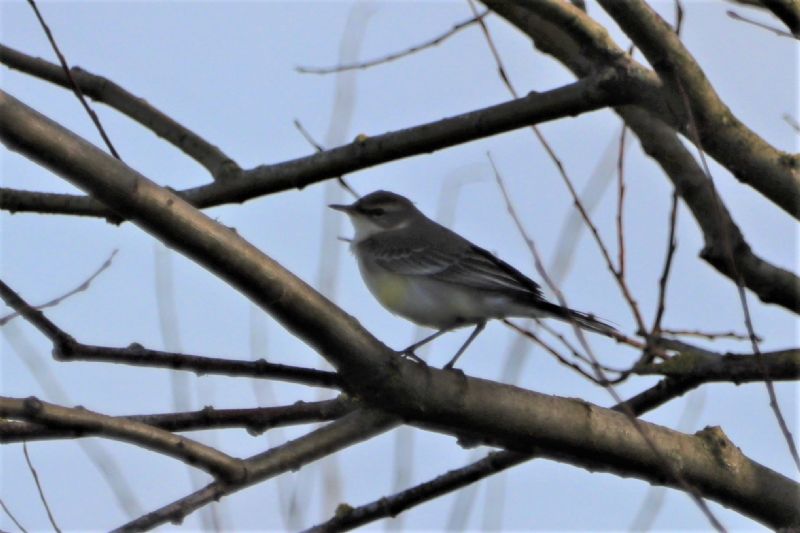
(409,354)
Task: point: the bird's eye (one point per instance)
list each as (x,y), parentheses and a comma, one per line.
(378,212)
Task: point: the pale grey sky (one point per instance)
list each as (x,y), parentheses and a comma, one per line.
(226,70)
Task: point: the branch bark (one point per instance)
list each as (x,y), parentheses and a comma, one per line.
(598,91)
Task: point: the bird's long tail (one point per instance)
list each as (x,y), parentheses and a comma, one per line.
(584,320)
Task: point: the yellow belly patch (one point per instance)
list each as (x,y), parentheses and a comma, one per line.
(391,291)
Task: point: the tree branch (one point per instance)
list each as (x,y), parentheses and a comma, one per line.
(598,91)
(695,363)
(192,453)
(101,89)
(348,430)
(255,420)
(66,348)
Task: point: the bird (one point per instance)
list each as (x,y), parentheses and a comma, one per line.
(422,271)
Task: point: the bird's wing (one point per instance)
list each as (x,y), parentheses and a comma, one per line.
(469,266)
(479,268)
(408,259)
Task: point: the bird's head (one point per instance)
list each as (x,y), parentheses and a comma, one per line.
(378,212)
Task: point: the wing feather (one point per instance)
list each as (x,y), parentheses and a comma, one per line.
(470,266)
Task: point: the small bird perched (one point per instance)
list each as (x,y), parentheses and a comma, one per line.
(432,276)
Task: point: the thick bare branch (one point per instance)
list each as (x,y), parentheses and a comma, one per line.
(348,430)
(596,92)
(101,89)
(348,517)
(186,450)
(734,368)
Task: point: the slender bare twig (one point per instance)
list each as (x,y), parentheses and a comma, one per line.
(555,353)
(562,171)
(39,488)
(319,148)
(80,288)
(668,467)
(65,347)
(662,282)
(571,347)
(254,420)
(709,335)
(621,202)
(679,12)
(777,31)
(773,399)
(397,55)
(189,451)
(75,88)
(11,516)
(791,121)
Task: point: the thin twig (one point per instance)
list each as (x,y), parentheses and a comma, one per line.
(80,288)
(790,120)
(679,12)
(65,347)
(11,516)
(255,420)
(668,467)
(621,202)
(555,353)
(737,276)
(219,464)
(662,282)
(777,31)
(75,88)
(319,148)
(39,488)
(103,90)
(397,55)
(709,335)
(561,170)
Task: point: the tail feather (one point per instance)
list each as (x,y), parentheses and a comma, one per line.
(584,320)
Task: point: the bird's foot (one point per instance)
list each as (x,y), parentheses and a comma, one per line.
(450,368)
(409,354)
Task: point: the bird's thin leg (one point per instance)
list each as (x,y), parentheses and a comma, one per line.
(478,328)
(409,352)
